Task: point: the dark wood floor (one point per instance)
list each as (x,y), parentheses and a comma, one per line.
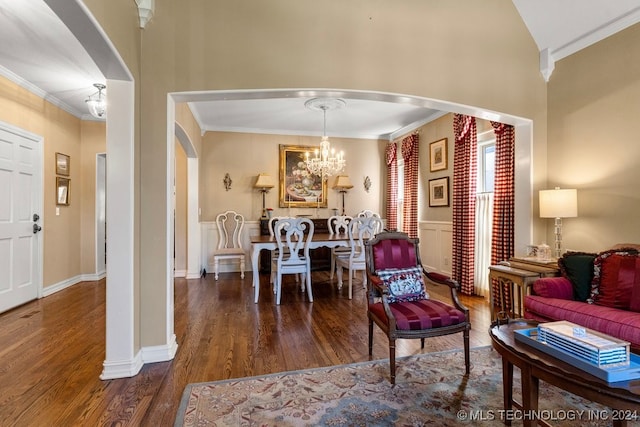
(51,350)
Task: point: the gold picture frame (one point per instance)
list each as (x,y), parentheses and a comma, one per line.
(438,155)
(439,192)
(298,187)
(63,164)
(63,186)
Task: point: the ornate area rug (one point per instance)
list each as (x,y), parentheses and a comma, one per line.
(430,390)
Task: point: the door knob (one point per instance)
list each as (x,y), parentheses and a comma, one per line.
(36,228)
(36,217)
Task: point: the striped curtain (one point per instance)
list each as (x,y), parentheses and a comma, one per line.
(391,159)
(504,199)
(464,197)
(410,146)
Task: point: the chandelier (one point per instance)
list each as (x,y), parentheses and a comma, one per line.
(326,161)
(97,103)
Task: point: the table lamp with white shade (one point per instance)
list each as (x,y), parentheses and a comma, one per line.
(343,183)
(264,183)
(558,203)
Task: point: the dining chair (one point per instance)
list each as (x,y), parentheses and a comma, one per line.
(360,230)
(274,253)
(398,301)
(229,225)
(338,224)
(292,237)
(366,213)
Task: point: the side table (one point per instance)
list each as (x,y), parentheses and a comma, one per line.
(515,275)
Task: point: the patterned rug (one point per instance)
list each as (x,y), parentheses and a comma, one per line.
(430,390)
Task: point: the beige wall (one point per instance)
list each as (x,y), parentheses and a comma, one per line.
(245,155)
(93,137)
(180,230)
(593,141)
(68,238)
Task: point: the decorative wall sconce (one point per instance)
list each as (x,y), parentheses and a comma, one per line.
(367,184)
(227,182)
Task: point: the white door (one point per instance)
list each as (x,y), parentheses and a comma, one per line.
(20,216)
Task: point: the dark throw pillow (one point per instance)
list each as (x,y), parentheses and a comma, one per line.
(404,284)
(578,268)
(616,280)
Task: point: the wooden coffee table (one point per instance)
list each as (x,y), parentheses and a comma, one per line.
(623,398)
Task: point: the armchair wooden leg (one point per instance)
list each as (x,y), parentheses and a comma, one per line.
(392,360)
(370,337)
(467,361)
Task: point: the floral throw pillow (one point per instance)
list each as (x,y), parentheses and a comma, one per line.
(404,284)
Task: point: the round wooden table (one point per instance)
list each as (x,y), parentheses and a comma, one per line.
(622,397)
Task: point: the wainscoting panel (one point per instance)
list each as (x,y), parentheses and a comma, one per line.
(436,239)
(210,243)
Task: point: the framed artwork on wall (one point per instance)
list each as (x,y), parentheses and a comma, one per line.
(62,164)
(62,190)
(299,188)
(439,192)
(438,155)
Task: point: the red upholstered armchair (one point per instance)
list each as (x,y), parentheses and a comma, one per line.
(398,302)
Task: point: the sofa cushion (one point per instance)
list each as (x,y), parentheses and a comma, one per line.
(553,287)
(404,284)
(616,275)
(578,268)
(621,324)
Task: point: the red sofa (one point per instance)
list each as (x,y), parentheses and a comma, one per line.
(598,291)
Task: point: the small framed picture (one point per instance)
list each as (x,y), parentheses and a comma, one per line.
(438,155)
(62,164)
(62,191)
(439,192)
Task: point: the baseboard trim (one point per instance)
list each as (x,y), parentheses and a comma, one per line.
(179,273)
(57,287)
(122,368)
(160,353)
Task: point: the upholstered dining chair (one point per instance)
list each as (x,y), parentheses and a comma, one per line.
(229,224)
(359,230)
(338,224)
(292,236)
(398,301)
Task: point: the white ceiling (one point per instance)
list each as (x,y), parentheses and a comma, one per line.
(40,53)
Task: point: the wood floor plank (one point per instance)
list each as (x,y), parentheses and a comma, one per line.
(52,349)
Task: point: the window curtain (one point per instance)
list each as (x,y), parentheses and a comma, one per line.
(484,229)
(409,148)
(503,199)
(464,197)
(391,159)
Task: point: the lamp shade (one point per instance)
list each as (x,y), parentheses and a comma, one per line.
(558,203)
(343,183)
(264,181)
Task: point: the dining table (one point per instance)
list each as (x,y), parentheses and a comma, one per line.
(265,242)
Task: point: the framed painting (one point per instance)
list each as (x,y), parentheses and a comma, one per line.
(438,155)
(299,188)
(62,164)
(439,192)
(62,191)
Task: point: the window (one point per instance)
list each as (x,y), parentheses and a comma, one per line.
(486,166)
